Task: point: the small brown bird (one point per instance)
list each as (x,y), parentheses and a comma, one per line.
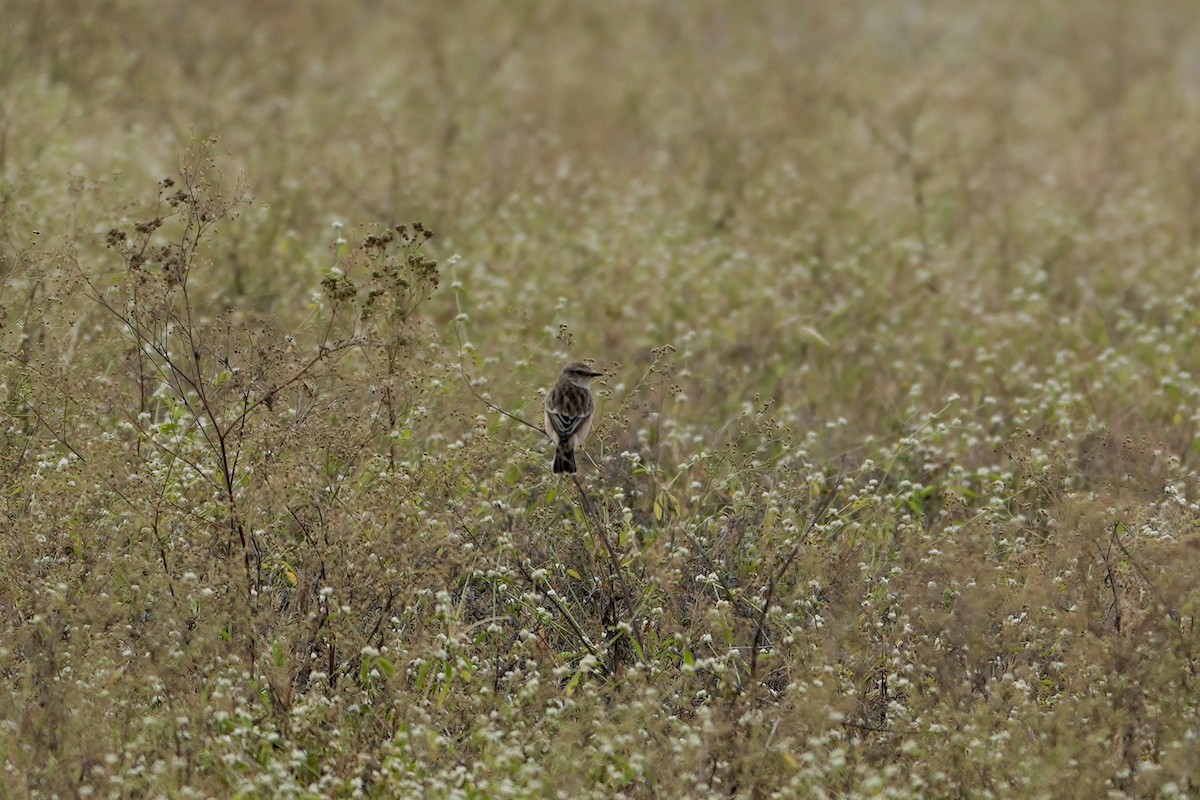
(570,406)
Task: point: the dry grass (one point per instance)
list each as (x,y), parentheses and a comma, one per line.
(898,465)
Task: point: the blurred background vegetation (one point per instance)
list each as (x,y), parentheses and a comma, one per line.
(897,305)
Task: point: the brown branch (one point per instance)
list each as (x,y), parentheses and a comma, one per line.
(590,510)
(760,627)
(1111,579)
(579,632)
(322,354)
(162,545)
(462,370)
(1171,613)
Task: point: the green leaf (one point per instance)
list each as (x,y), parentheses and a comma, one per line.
(661,501)
(571,684)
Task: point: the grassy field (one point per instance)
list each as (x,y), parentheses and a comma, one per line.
(896,491)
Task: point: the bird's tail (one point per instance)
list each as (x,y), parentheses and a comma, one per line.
(563,461)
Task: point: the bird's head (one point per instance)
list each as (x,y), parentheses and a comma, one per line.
(580,373)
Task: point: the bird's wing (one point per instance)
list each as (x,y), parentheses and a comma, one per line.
(564,425)
(569,412)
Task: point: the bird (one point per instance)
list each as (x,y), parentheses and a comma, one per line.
(570,406)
